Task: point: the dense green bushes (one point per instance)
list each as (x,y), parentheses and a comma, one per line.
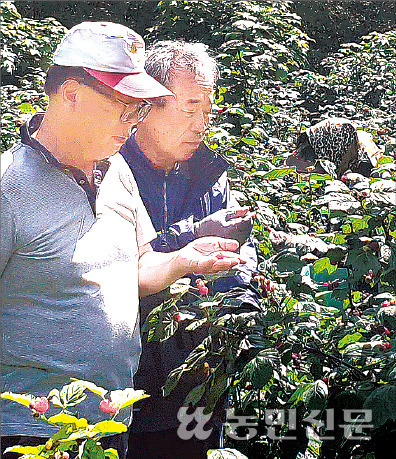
(327,340)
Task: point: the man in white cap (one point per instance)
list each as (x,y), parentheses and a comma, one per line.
(69,282)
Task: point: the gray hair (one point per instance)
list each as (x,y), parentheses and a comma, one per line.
(165,58)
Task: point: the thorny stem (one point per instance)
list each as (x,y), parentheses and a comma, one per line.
(338,360)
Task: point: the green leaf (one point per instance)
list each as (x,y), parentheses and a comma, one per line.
(324,264)
(316,396)
(111,453)
(68,419)
(173,379)
(22,399)
(127,397)
(109,427)
(279,173)
(299,394)
(384,160)
(180,286)
(219,385)
(159,324)
(92,450)
(348,339)
(259,370)
(248,141)
(92,387)
(27,108)
(72,394)
(54,397)
(382,403)
(195,395)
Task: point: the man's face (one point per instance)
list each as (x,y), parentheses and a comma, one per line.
(105,122)
(173,132)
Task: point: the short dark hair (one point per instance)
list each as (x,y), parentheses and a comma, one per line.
(58,74)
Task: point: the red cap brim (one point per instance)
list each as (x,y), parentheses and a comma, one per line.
(138,85)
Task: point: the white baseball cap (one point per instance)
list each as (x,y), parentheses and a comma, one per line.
(111,53)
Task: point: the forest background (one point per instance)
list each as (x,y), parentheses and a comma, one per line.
(327,338)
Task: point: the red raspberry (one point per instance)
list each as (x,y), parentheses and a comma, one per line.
(41,405)
(177,318)
(371,273)
(385,304)
(203,290)
(199,282)
(325,379)
(385,346)
(108,407)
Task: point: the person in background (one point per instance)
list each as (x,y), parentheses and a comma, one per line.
(68,281)
(335,140)
(184,187)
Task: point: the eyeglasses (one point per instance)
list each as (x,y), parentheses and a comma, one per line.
(131,113)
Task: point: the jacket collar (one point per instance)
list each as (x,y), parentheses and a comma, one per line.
(205,164)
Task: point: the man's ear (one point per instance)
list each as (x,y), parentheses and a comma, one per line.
(69,92)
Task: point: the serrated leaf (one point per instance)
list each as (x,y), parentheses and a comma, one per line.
(316,396)
(22,399)
(92,387)
(109,427)
(259,370)
(72,394)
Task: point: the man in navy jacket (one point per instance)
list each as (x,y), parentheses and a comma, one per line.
(184,187)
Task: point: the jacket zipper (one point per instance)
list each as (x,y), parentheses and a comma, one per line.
(165,226)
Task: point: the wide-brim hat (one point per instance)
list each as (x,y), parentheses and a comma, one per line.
(111,53)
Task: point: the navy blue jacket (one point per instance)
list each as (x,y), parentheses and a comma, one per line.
(175,200)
